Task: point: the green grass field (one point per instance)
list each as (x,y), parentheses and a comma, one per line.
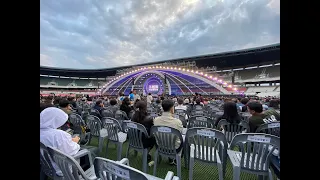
(200,171)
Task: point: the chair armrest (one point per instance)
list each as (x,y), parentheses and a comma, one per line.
(124,161)
(169,175)
(175,178)
(82,153)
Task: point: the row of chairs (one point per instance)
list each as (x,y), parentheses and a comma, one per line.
(113,128)
(101,169)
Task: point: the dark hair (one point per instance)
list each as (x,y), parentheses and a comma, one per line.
(274,103)
(56,100)
(141,112)
(113,102)
(167,104)
(162,98)
(255,106)
(44,106)
(180,101)
(149,94)
(231,113)
(158,101)
(98,102)
(64,103)
(198,101)
(126,101)
(70,98)
(244,101)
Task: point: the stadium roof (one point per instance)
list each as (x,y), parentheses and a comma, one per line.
(256,56)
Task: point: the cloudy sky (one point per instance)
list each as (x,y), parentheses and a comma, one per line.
(90,34)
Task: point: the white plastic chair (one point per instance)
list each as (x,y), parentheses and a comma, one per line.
(115,170)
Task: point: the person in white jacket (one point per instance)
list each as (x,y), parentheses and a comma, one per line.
(53,118)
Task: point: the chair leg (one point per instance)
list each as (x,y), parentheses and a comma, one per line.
(100,144)
(156,155)
(119,149)
(178,159)
(127,153)
(270,175)
(236,173)
(107,144)
(144,160)
(191,163)
(220,171)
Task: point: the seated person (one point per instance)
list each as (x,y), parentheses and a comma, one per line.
(65,106)
(230,114)
(99,107)
(50,120)
(113,106)
(259,117)
(125,106)
(167,119)
(180,105)
(141,116)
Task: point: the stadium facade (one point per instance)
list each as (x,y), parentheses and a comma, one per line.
(254,71)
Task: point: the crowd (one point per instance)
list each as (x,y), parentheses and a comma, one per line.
(54,113)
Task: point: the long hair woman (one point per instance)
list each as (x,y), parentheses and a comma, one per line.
(230,113)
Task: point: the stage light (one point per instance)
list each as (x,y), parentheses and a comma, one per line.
(160,66)
(192,71)
(167,67)
(179,69)
(183,69)
(175,68)
(196,72)
(235,89)
(188,70)
(206,75)
(201,73)
(156,66)
(210,77)
(171,68)
(230,86)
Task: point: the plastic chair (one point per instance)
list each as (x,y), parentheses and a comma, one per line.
(166,138)
(95,126)
(70,167)
(272,128)
(208,146)
(47,169)
(135,133)
(114,170)
(107,113)
(76,119)
(113,127)
(230,130)
(253,155)
(199,121)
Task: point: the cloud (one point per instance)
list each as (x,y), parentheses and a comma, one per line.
(90,34)
(45,60)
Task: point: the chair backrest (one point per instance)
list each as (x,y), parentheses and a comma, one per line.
(180,112)
(272,128)
(199,121)
(120,115)
(166,138)
(198,113)
(135,132)
(111,170)
(207,142)
(94,112)
(107,113)
(230,130)
(94,124)
(70,168)
(255,149)
(113,128)
(76,119)
(46,161)
(182,119)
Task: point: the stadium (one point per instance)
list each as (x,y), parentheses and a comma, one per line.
(251,72)
(245,74)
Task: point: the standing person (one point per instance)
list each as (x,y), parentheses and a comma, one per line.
(167,119)
(125,106)
(180,105)
(136,96)
(149,99)
(131,96)
(120,98)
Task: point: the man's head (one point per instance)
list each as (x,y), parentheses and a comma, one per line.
(168,105)
(65,104)
(99,103)
(198,101)
(180,101)
(244,101)
(274,103)
(149,94)
(113,102)
(71,99)
(255,107)
(134,92)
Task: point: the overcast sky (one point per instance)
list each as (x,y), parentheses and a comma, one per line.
(90,34)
